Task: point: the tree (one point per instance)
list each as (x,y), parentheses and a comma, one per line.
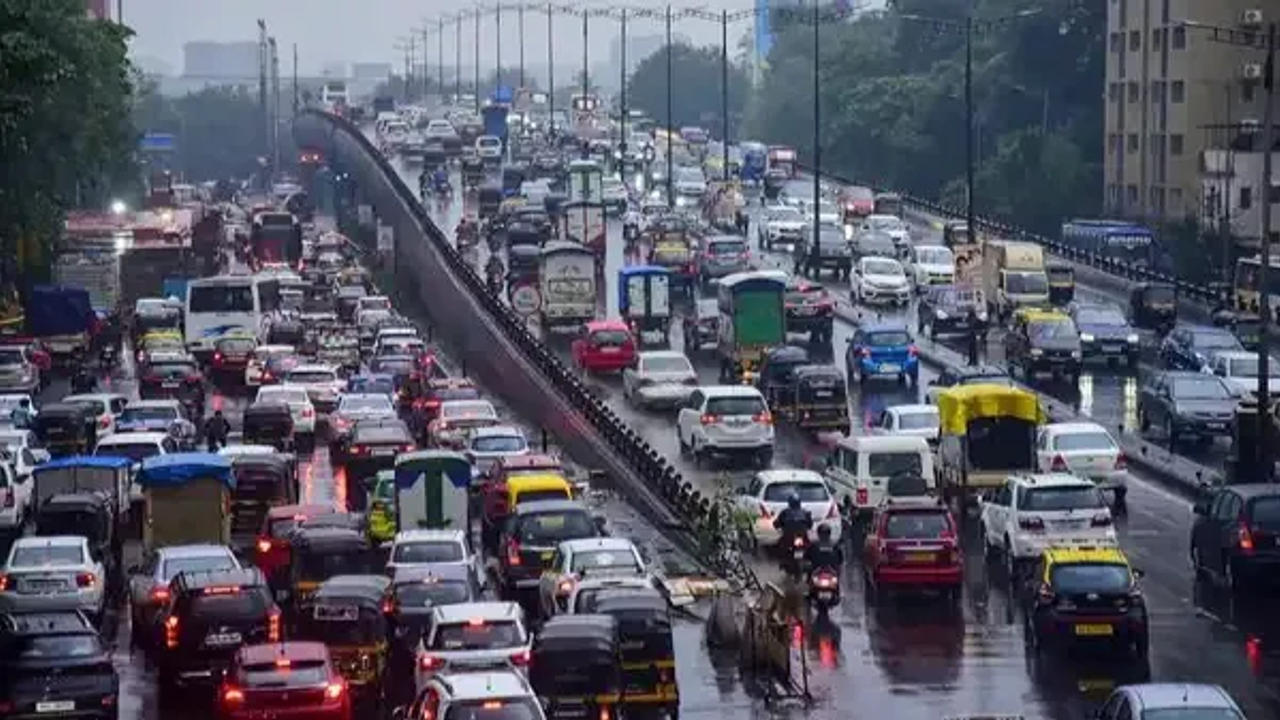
(65,134)
(695,87)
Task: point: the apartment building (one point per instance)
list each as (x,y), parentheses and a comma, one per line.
(1172,92)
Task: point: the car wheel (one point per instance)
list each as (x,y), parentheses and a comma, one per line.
(1010,562)
(1144,422)
(684,449)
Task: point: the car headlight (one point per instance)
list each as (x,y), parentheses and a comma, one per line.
(941,314)
(1036,352)
(1132,339)
(1086,337)
(1075,354)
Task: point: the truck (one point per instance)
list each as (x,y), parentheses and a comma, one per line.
(752,320)
(187,499)
(276,237)
(987,432)
(494,118)
(567,273)
(1013,276)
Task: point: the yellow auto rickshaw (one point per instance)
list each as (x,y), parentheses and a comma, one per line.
(528,488)
(381,516)
(346,614)
(319,553)
(1062,282)
(987,432)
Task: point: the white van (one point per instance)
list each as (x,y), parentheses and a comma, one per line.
(861,466)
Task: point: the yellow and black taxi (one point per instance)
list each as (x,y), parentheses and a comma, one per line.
(1086,596)
(1043,341)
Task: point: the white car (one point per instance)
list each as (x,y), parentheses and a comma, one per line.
(256,371)
(880,280)
(582,596)
(477,695)
(689,182)
(21,446)
(726,420)
(105,405)
(489,147)
(467,637)
(660,378)
(321,383)
(890,225)
(931,265)
(1085,449)
(578,559)
(374,302)
(457,418)
(137,446)
(768,492)
(1031,513)
(15,498)
(1239,370)
(354,407)
(299,402)
(781,224)
(440,129)
(828,213)
(424,548)
(919,420)
(487,445)
(56,572)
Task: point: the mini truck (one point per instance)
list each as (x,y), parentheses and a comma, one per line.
(987,432)
(752,320)
(1013,276)
(567,274)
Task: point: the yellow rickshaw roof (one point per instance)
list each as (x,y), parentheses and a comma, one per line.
(1103,554)
(539,481)
(1035,314)
(958,405)
(162,335)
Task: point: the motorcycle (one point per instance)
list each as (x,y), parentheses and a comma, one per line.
(495,278)
(793,555)
(824,589)
(108,355)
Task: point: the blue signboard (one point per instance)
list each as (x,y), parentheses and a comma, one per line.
(158,142)
(502,94)
(764,33)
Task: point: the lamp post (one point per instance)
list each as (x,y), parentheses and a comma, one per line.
(476,86)
(457,61)
(671,199)
(551,74)
(622,103)
(520,22)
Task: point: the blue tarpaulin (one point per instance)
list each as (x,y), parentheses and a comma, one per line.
(92,461)
(57,310)
(181,468)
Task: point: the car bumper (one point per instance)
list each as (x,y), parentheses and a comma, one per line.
(1110,480)
(1072,629)
(906,367)
(1120,349)
(1029,546)
(1202,427)
(767,534)
(803,323)
(727,445)
(923,577)
(606,363)
(1054,364)
(89,602)
(871,294)
(663,395)
(719,271)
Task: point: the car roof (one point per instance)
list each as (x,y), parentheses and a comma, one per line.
(132,438)
(1067,555)
(913,409)
(790,475)
(534,507)
(497,431)
(1063,428)
(656,354)
(1051,480)
(1253,490)
(484,685)
(730,391)
(886,443)
(1236,355)
(1185,375)
(201,579)
(283,511)
(364,396)
(598,543)
(420,534)
(885,327)
(168,403)
(194,550)
(312,367)
(1169,695)
(292,649)
(50,541)
(464,612)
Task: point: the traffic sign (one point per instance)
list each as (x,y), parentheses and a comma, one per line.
(158,142)
(526,300)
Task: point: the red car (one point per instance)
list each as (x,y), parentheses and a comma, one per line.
(857,203)
(283,680)
(271,552)
(912,544)
(605,346)
(440,389)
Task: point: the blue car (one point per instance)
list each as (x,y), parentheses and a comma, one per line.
(882,350)
(1190,347)
(372,383)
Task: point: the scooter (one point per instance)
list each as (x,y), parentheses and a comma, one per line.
(824,589)
(793,555)
(108,355)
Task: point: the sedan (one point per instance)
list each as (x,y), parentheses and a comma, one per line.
(1186,404)
(909,420)
(488,445)
(55,572)
(659,378)
(458,417)
(18,373)
(1106,333)
(880,280)
(768,492)
(258,370)
(1085,449)
(321,383)
(354,407)
(1188,347)
(577,559)
(891,225)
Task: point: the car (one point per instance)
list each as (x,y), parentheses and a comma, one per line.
(148,583)
(258,370)
(945,309)
(1032,512)
(456,418)
(780,224)
(373,442)
(55,664)
(168,416)
(582,597)
(1041,341)
(231,355)
(169,374)
(137,446)
(489,147)
(829,214)
(910,420)
(882,349)
(424,548)
(873,243)
(858,202)
(399,367)
(210,615)
(53,572)
(829,250)
(533,531)
(18,371)
(931,265)
(293,679)
(958,375)
(768,493)
(1173,701)
(1106,333)
(16,494)
(576,560)
(440,390)
(1086,449)
(913,543)
(723,255)
(157,312)
(1186,404)
(1234,539)
(604,346)
(890,225)
(615,195)
(22,448)
(488,445)
(416,590)
(106,406)
(356,407)
(809,309)
(321,383)
(468,637)
(500,695)
(659,378)
(719,420)
(299,402)
(1086,596)
(1188,347)
(689,182)
(1239,370)
(880,280)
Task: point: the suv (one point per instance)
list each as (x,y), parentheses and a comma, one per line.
(53,664)
(534,529)
(1031,513)
(499,694)
(290,679)
(810,309)
(951,309)
(723,255)
(211,614)
(1234,535)
(726,419)
(18,372)
(1043,342)
(149,581)
(1086,595)
(829,250)
(472,636)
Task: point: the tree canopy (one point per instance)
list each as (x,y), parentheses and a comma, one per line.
(695,88)
(219,130)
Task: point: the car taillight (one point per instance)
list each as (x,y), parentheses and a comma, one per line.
(1101,520)
(708,419)
(217,358)
(861,496)
(273,626)
(104,422)
(825,580)
(564,587)
(865,352)
(308,412)
(408,447)
(764,512)
(1059,464)
(171,632)
(1031,523)
(513,553)
(1122,462)
(334,690)
(264,545)
(913,351)
(764,418)
(521,658)
(1244,537)
(85,580)
(159,594)
(4,583)
(429,662)
(833,512)
(232,696)
(798,541)
(1045,593)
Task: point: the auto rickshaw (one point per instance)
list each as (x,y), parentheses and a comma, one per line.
(512,178)
(317,553)
(473,173)
(523,263)
(269,424)
(816,400)
(648,654)
(1062,282)
(1153,306)
(346,614)
(702,328)
(381,516)
(507,211)
(575,666)
(489,200)
(262,482)
(1248,330)
(776,378)
(66,429)
(492,490)
(521,232)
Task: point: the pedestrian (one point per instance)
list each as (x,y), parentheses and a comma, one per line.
(21,415)
(799,256)
(216,430)
(974,335)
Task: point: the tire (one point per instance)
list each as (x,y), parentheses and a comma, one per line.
(1144,422)
(1010,562)
(684,449)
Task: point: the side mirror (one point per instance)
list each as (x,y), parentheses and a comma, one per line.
(399,713)
(1201,507)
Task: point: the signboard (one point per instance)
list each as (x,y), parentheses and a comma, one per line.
(364,214)
(158,142)
(526,300)
(386,238)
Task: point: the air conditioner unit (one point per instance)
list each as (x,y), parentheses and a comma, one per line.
(1252,71)
(1250,125)
(1251,18)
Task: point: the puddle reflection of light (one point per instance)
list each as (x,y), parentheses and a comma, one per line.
(1086,394)
(308,482)
(1253,653)
(828,654)
(1129,403)
(340,488)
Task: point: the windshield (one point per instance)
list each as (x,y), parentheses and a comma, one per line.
(422,594)
(934,256)
(298,674)
(145,414)
(886,224)
(1084,441)
(1199,388)
(271,396)
(882,267)
(601,559)
(311,376)
(1026,283)
(1248,367)
(918,421)
(174,566)
(890,464)
(481,635)
(1205,340)
(1191,713)
(220,298)
(1053,330)
(499,444)
(1054,499)
(1108,578)
(746,405)
(50,647)
(427,551)
(916,525)
(136,452)
(508,709)
(888,338)
(806,491)
(236,345)
(320,565)
(467,410)
(366,404)
(785,214)
(11,356)
(734,247)
(1265,512)
(550,528)
(610,338)
(665,365)
(1108,316)
(36,555)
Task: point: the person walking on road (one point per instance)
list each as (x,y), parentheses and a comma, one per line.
(216,430)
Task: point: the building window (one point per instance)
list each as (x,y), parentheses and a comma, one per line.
(1179,37)
(1117,42)
(1124,13)
(1155,39)
(1135,39)
(1131,195)
(1113,92)
(1177,91)
(1175,199)
(1157,91)
(1246,92)
(1133,142)
(1246,197)
(1155,198)
(1175,144)
(1133,91)
(1274,194)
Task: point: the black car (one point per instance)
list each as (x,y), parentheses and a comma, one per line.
(372,446)
(955,376)
(53,664)
(810,309)
(1235,538)
(1106,333)
(212,613)
(947,309)
(1189,347)
(1186,404)
(1043,342)
(399,367)
(533,532)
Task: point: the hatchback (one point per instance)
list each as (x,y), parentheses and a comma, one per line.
(882,350)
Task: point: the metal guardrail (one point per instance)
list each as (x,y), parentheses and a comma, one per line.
(1111,266)
(661,481)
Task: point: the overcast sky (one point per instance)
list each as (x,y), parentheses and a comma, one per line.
(344,31)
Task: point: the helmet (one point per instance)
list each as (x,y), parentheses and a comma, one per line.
(793,501)
(824,532)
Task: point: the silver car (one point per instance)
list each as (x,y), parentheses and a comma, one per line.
(471,637)
(723,255)
(57,572)
(660,378)
(18,374)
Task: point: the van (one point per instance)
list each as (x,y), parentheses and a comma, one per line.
(860,467)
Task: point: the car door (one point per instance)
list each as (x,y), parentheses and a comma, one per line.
(1044,457)
(689,414)
(995,513)
(1212,530)
(141,582)
(1226,527)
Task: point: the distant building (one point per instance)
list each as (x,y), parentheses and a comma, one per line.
(371,71)
(98,9)
(217,62)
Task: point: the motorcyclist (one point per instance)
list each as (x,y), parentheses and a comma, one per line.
(824,553)
(631,224)
(423,180)
(466,232)
(83,381)
(495,272)
(742,220)
(800,256)
(440,179)
(216,430)
(794,521)
(21,415)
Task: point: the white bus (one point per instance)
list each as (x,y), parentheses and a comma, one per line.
(333,96)
(225,304)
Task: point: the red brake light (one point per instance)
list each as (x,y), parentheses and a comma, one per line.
(862,496)
(1245,537)
(764,418)
(4,582)
(264,545)
(913,351)
(429,662)
(513,553)
(104,422)
(85,579)
(865,352)
(159,594)
(334,690)
(171,632)
(273,626)
(217,358)
(709,419)
(521,658)
(232,696)
(798,541)
(1059,464)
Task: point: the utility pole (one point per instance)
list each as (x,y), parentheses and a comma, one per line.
(520,21)
(275,108)
(622,105)
(969,215)
(1264,266)
(457,60)
(425,75)
(440,57)
(262,87)
(295,79)
(724,93)
(551,73)
(120,12)
(497,46)
(477,68)
(671,198)
(586,85)
(817,130)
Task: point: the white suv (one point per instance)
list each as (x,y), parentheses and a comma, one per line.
(725,420)
(1031,513)
(299,402)
(472,636)
(501,694)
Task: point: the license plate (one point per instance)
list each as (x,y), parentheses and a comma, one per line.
(919,557)
(824,595)
(610,350)
(43,586)
(823,393)
(545,556)
(222,639)
(1111,348)
(805,310)
(55,706)
(890,368)
(383,452)
(798,555)
(1216,426)
(170,384)
(1094,630)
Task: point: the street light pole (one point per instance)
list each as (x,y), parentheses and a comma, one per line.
(457,61)
(968,126)
(1264,265)
(440,56)
(551,74)
(622,110)
(586,86)
(425,75)
(724,93)
(520,20)
(817,136)
(497,46)
(476,71)
(671,199)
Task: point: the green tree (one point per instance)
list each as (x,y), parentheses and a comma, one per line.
(219,130)
(695,88)
(65,135)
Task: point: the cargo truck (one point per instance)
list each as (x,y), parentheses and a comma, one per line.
(1013,276)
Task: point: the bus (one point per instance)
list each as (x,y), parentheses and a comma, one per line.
(1121,240)
(583,213)
(217,306)
(587,112)
(1245,284)
(333,96)
(276,238)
